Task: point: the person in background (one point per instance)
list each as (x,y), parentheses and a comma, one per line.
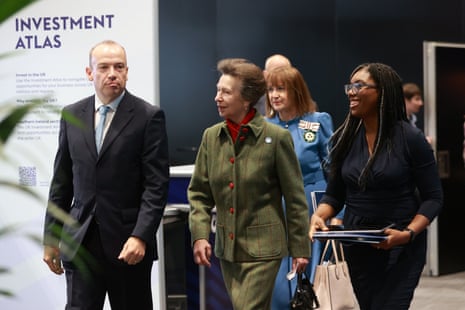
(244,167)
(276,61)
(377,161)
(272,62)
(291,106)
(115,191)
(413,103)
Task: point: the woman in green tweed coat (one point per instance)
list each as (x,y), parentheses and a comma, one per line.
(245,166)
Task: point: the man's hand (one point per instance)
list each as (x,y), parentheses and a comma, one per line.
(52,259)
(133,251)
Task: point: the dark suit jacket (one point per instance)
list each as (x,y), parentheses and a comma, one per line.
(124,187)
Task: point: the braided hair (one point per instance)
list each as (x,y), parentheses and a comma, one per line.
(391,110)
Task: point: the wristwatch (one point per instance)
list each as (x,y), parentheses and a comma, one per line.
(412,234)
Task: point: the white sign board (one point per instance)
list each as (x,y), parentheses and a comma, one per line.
(49,42)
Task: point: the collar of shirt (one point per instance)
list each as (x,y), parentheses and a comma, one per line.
(413,119)
(113,105)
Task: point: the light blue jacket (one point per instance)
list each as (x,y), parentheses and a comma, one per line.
(310,133)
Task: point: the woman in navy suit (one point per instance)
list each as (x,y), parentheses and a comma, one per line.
(384,171)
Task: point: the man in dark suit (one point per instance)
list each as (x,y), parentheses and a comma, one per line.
(113,194)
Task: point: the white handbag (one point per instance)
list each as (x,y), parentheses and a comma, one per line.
(332,283)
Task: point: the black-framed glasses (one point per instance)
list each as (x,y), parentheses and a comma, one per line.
(355,87)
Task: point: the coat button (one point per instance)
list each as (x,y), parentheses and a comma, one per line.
(231,160)
(242,138)
(231,210)
(231,185)
(231,236)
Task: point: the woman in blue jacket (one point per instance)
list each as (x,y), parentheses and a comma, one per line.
(290,105)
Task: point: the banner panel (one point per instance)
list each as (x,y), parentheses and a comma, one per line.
(48,44)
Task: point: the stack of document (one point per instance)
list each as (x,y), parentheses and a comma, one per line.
(359,235)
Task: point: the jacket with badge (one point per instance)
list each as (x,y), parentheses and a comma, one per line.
(311,133)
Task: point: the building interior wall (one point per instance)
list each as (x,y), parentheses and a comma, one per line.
(324,39)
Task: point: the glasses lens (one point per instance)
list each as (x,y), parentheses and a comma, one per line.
(355,88)
(346,88)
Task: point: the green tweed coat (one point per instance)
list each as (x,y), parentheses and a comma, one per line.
(247,182)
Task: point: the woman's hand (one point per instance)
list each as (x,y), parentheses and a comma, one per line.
(394,238)
(403,237)
(299,264)
(316,223)
(202,252)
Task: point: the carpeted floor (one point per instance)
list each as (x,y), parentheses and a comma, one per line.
(445,292)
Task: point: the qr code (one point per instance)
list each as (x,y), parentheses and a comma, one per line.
(27,176)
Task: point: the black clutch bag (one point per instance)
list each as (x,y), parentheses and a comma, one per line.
(304,296)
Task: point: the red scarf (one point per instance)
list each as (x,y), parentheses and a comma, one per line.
(234,128)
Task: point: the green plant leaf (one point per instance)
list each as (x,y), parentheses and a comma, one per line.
(10,7)
(6,230)
(34,238)
(8,124)
(9,54)
(5,293)
(4,270)
(20,188)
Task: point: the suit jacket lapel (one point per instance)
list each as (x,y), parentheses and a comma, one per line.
(122,117)
(87,117)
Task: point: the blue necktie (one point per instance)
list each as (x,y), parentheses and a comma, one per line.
(101,125)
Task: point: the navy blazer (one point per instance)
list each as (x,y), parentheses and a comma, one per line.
(124,187)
